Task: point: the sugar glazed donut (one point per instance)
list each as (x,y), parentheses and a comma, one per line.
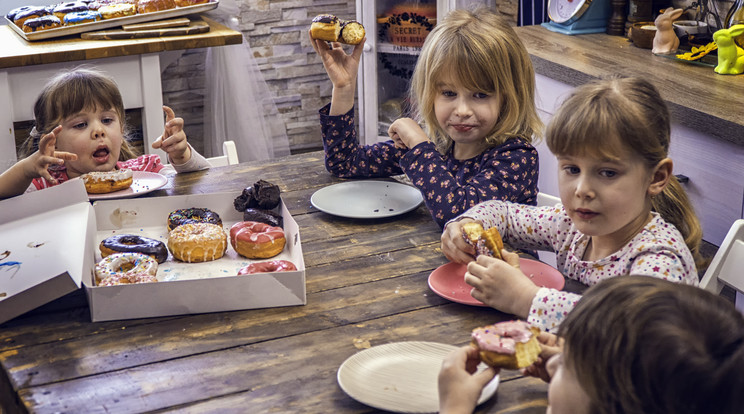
(192,215)
(121,279)
(256,240)
(98,182)
(129,264)
(131,243)
(197,242)
(268,267)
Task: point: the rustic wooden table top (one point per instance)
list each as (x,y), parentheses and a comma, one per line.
(18,52)
(698,97)
(366,286)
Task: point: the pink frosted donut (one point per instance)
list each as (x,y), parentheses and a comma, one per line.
(256,240)
(268,267)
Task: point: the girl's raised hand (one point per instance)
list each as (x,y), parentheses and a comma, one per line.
(459,384)
(38,163)
(454,246)
(501,284)
(173,141)
(406,133)
(341,67)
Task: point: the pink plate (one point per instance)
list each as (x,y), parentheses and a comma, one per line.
(448,280)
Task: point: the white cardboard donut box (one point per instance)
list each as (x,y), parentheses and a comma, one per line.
(49,246)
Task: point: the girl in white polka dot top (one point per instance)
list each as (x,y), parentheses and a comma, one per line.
(623,211)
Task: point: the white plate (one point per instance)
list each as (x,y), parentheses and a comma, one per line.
(142,183)
(400,377)
(367,199)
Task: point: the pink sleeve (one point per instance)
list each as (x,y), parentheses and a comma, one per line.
(147,162)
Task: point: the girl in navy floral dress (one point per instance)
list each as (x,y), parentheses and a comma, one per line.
(473,90)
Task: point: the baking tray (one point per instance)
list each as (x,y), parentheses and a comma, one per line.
(118,21)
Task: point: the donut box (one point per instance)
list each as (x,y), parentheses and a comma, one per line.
(54,236)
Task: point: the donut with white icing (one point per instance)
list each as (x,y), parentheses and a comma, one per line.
(129,264)
(99,182)
(256,240)
(197,242)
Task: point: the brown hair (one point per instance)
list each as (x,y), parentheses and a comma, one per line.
(70,92)
(484,53)
(639,344)
(603,118)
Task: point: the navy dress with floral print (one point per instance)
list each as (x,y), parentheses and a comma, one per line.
(449,186)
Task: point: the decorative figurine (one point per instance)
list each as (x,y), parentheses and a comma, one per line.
(730,56)
(666,40)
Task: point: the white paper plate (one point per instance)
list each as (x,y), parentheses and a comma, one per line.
(367,199)
(400,377)
(143,182)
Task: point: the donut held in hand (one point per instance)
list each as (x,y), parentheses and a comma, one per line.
(130,243)
(509,345)
(486,242)
(268,267)
(256,240)
(329,28)
(100,182)
(197,242)
(128,264)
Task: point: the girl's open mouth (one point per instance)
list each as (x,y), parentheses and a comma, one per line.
(101,155)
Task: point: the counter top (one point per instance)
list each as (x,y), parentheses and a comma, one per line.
(19,52)
(698,97)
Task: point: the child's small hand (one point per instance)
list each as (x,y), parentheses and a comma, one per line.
(38,163)
(454,246)
(173,141)
(550,345)
(460,385)
(406,133)
(342,68)
(501,284)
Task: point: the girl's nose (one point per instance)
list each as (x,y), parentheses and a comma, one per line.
(584,188)
(462,108)
(97,130)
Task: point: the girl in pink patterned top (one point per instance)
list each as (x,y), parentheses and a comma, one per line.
(80,128)
(622,209)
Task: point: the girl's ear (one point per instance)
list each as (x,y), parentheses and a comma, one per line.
(660,176)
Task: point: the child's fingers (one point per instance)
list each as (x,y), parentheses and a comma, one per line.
(169,114)
(48,141)
(65,156)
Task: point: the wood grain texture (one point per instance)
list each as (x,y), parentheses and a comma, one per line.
(190,29)
(366,285)
(697,97)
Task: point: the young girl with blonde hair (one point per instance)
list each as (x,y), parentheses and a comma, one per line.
(622,212)
(473,91)
(80,128)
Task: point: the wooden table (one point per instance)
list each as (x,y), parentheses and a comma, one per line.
(134,63)
(366,286)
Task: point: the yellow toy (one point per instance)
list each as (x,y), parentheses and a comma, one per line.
(730,56)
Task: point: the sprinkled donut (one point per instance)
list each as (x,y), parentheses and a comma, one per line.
(268,267)
(97,182)
(122,279)
(197,242)
(192,215)
(130,243)
(126,264)
(256,240)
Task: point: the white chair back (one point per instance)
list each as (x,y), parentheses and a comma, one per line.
(547,200)
(229,155)
(727,267)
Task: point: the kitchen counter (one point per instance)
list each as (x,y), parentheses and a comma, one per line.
(698,98)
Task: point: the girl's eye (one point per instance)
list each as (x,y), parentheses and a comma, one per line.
(448,93)
(608,173)
(480,95)
(571,169)
(80,125)
(108,121)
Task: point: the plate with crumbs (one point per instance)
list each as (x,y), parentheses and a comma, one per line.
(143,182)
(367,199)
(400,377)
(448,280)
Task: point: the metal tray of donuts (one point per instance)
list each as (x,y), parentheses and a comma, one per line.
(115,22)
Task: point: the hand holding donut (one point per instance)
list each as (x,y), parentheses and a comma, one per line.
(173,141)
(406,133)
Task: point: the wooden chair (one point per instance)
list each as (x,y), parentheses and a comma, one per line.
(727,267)
(229,155)
(547,200)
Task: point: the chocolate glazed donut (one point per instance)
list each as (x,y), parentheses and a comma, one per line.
(193,215)
(130,243)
